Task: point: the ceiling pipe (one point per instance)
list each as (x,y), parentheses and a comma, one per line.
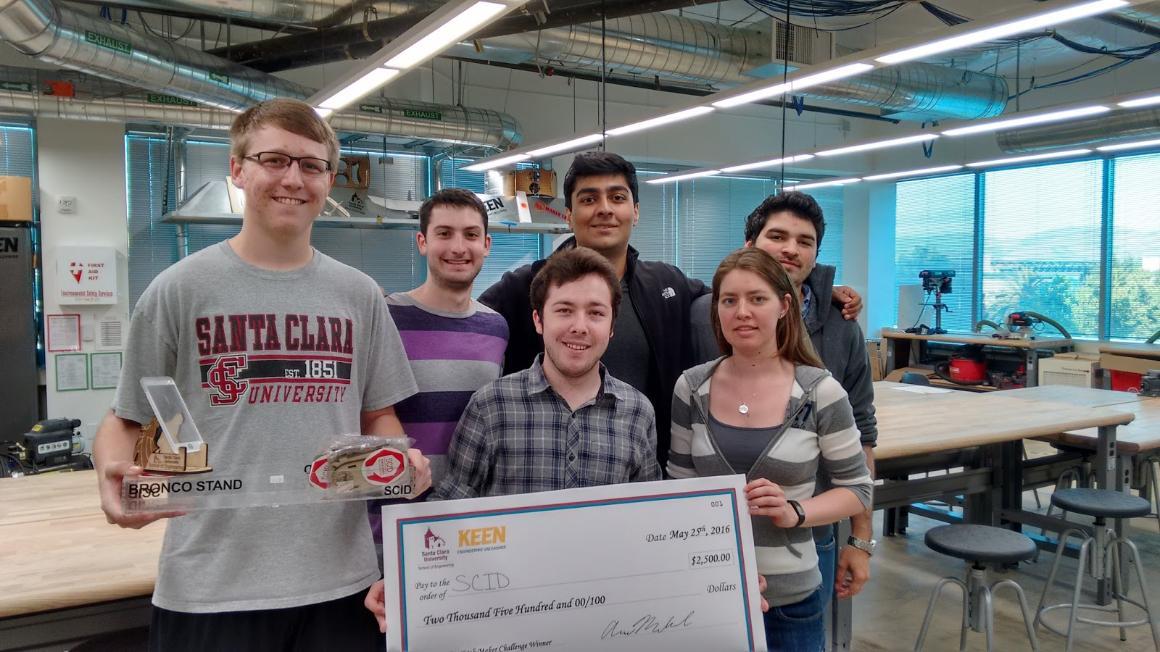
(1106,129)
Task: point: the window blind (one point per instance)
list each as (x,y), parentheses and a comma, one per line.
(830,253)
(655,235)
(934,229)
(1135,248)
(148,187)
(711,220)
(1041,243)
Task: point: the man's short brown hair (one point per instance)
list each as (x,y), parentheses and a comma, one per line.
(294,116)
(454,198)
(572,265)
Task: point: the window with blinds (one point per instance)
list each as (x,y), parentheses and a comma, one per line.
(830,253)
(934,229)
(1041,243)
(149,194)
(17,151)
(18,159)
(1134,294)
(694,224)
(711,220)
(655,235)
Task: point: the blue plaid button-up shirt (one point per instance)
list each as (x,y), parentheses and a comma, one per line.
(518,436)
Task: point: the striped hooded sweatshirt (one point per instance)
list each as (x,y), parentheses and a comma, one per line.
(819,429)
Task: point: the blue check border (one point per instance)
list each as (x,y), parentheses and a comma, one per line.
(580,504)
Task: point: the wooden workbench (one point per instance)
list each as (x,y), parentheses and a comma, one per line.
(898,348)
(915,424)
(1046,343)
(59,554)
(1138,350)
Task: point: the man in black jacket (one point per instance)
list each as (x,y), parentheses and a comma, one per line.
(653,341)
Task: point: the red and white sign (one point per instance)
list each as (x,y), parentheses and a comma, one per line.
(87,275)
(384,465)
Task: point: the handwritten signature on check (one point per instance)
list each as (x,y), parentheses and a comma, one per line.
(647,624)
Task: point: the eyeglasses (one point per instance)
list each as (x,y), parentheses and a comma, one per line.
(279,162)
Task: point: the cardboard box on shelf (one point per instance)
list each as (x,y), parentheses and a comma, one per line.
(16,199)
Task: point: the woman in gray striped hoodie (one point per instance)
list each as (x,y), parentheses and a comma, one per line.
(769,409)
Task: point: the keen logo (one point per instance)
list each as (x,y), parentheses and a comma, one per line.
(482,536)
(668,293)
(9,245)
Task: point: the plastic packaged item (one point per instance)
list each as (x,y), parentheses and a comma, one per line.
(366,467)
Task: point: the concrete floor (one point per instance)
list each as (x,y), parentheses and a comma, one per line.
(888,613)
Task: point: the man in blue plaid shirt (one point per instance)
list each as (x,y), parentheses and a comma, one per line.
(565,422)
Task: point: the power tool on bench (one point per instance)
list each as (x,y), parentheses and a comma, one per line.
(49,444)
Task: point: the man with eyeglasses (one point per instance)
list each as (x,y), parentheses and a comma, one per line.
(264,311)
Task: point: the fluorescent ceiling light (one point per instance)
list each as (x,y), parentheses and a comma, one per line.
(358,88)
(661,120)
(823,184)
(566,145)
(1010,123)
(815,79)
(913,173)
(323,113)
(1143,101)
(1002,30)
(683,177)
(497,163)
(1134,145)
(767,164)
(449,32)
(1029,158)
(881,144)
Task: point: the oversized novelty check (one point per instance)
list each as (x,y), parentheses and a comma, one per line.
(643,566)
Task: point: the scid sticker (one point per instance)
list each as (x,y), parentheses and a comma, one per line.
(383,466)
(320,473)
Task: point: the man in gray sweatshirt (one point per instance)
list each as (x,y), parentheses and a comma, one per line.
(789,226)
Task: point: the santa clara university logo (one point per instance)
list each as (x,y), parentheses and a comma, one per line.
(434,548)
(223,380)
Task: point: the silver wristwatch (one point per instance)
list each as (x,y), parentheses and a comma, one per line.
(862,544)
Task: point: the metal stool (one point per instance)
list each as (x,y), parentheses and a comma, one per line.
(1102,552)
(979,545)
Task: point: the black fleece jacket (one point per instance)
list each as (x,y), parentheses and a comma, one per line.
(662,296)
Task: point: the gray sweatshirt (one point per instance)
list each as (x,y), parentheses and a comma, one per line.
(818,431)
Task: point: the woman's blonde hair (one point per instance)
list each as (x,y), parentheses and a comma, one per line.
(792,341)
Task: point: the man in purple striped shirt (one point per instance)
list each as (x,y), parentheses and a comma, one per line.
(454,343)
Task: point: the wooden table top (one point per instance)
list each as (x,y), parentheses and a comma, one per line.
(986,340)
(914,424)
(1140,436)
(58,551)
(1132,349)
(1078,396)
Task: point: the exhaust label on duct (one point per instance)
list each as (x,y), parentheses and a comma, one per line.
(158,98)
(108,42)
(422,115)
(21,87)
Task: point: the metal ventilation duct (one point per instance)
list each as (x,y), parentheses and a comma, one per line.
(293,12)
(420,120)
(649,44)
(1122,126)
(698,51)
(57,34)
